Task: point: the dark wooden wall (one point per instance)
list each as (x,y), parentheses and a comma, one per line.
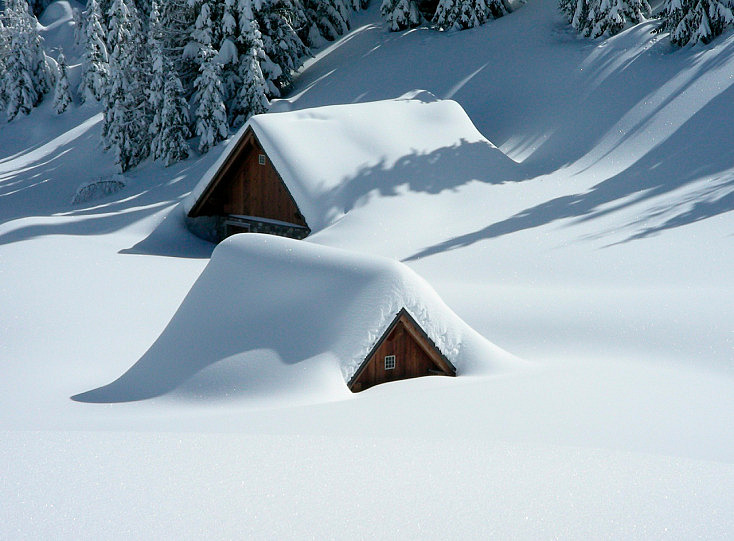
(251,189)
(411,360)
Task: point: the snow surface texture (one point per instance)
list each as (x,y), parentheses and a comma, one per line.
(607,262)
(287,318)
(329,156)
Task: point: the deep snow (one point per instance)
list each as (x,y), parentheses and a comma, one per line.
(330,157)
(606,263)
(277,320)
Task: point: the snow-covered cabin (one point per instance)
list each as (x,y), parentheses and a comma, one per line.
(275,317)
(403,351)
(291,173)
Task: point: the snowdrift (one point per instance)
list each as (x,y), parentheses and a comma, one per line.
(329,157)
(271,315)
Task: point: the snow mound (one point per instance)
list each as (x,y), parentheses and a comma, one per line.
(97,189)
(271,316)
(331,156)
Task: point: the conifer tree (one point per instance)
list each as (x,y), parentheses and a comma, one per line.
(27,74)
(157,81)
(4,52)
(62,96)
(596,18)
(400,14)
(125,109)
(284,49)
(171,145)
(177,18)
(144,8)
(251,97)
(330,17)
(229,51)
(211,114)
(693,21)
(463,14)
(95,62)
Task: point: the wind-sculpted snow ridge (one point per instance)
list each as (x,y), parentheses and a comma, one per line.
(271,315)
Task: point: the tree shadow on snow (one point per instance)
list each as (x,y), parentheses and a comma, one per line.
(40,181)
(443,169)
(698,150)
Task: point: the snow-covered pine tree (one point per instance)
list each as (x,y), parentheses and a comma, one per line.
(329,17)
(400,14)
(4,52)
(27,75)
(95,62)
(463,14)
(279,22)
(211,114)
(579,14)
(567,7)
(691,21)
(143,8)
(157,81)
(125,110)
(62,96)
(229,51)
(250,98)
(208,24)
(177,19)
(608,17)
(171,145)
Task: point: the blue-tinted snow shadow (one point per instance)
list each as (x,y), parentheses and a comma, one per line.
(216,335)
(41,180)
(433,172)
(696,150)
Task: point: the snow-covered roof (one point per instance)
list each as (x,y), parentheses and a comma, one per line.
(320,152)
(274,314)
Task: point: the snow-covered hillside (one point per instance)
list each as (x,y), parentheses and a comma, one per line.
(604,263)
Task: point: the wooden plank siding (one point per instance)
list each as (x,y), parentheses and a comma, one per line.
(245,187)
(415,356)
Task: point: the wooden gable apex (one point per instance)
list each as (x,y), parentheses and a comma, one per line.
(432,361)
(271,194)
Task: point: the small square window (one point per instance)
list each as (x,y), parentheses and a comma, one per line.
(389,362)
(261,159)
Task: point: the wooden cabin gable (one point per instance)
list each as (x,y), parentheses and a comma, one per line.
(248,185)
(403,352)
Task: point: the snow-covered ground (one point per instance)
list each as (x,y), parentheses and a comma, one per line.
(605,264)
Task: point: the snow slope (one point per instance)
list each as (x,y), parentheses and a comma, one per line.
(606,262)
